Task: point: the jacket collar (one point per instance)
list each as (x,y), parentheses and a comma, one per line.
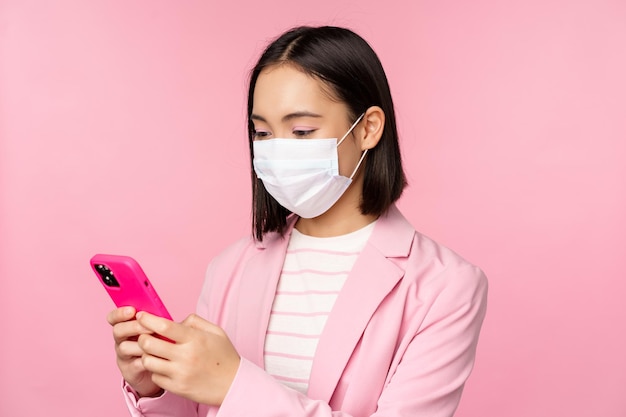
(393,234)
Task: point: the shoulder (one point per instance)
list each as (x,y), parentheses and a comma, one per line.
(232,260)
(441,288)
(427,263)
(248,246)
(229,273)
(242,247)
(449,288)
(436,262)
(223,277)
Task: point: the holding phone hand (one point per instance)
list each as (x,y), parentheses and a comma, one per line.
(201,363)
(126,331)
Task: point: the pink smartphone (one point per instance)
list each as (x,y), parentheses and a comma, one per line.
(127,284)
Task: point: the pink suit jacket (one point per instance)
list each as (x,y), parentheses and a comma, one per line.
(400,340)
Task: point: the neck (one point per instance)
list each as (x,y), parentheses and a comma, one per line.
(343,217)
(318,227)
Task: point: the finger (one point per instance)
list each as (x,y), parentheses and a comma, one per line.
(163,381)
(136,366)
(157,365)
(155,346)
(120,314)
(128,350)
(128,330)
(169,329)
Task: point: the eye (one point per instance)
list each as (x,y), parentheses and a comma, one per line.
(302,133)
(261,134)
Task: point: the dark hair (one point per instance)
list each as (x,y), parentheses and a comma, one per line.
(348,65)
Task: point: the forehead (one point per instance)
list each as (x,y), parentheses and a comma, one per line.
(283,89)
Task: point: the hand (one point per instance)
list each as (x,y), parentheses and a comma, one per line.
(126,330)
(201,363)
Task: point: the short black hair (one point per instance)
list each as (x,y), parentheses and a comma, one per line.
(347,64)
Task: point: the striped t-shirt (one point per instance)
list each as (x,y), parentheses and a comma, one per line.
(314,272)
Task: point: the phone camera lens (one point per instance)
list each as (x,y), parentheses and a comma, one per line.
(107,276)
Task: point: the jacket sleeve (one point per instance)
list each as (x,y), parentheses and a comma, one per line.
(431,372)
(167,405)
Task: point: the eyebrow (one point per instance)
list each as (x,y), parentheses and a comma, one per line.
(287,117)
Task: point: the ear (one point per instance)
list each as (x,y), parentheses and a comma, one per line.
(372,127)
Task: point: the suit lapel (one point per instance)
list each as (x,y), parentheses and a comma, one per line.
(256,296)
(371,279)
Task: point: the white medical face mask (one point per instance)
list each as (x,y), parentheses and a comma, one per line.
(302,174)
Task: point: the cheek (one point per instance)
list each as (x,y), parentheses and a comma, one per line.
(349,154)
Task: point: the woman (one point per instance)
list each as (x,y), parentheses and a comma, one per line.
(335,304)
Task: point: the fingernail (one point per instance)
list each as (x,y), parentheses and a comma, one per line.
(128,311)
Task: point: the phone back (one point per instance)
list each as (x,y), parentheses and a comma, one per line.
(127,284)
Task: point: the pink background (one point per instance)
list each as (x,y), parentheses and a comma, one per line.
(121,127)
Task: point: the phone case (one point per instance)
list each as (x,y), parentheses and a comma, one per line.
(127,284)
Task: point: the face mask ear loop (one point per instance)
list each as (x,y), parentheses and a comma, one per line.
(350,130)
(359,164)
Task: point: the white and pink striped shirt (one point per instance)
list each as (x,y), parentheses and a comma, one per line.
(314,272)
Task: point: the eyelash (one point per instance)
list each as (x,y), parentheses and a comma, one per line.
(298,133)
(260,134)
